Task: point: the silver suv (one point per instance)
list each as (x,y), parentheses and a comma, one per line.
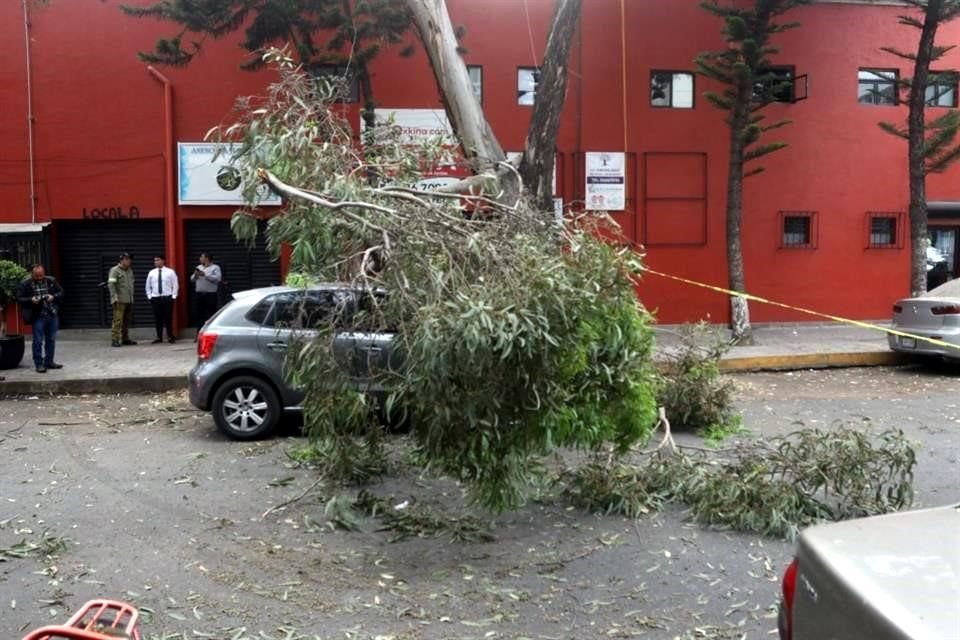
(241,353)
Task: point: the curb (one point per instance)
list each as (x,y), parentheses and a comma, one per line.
(145,384)
(159,384)
(814,361)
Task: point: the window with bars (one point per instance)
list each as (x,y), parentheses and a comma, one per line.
(527,79)
(884,230)
(774,84)
(475,72)
(798,230)
(878,86)
(671,89)
(339,79)
(942,90)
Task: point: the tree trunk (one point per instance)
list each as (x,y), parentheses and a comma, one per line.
(368,113)
(742,332)
(479,144)
(536,167)
(916,156)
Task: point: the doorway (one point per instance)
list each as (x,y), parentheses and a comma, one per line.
(944,240)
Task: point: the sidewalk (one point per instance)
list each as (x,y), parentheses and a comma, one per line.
(91,365)
(790,346)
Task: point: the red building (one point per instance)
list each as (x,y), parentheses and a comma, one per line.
(824,226)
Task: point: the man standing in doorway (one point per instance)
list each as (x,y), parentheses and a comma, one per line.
(162,289)
(206,278)
(40,296)
(120,283)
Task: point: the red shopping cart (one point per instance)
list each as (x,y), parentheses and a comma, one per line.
(96,620)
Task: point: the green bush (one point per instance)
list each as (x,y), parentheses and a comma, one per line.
(11,275)
(692,390)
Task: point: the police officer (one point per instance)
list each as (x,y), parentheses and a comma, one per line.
(120,283)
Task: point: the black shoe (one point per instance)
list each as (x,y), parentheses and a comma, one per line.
(54,365)
(116,344)
(156,341)
(172,340)
(41,369)
(129,342)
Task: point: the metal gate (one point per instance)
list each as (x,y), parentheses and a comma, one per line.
(243,267)
(87,250)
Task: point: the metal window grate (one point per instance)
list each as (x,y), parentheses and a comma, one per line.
(798,230)
(884,230)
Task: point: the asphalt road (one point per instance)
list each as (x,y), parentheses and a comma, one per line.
(155,507)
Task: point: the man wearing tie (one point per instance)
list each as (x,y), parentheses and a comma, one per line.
(162,289)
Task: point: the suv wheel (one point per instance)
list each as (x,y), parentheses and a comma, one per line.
(246,408)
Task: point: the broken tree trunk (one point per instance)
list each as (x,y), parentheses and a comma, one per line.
(536,167)
(479,144)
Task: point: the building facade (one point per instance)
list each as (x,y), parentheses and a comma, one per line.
(89,147)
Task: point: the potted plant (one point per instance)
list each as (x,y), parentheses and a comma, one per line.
(11,346)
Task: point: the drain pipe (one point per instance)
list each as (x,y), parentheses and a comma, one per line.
(169,210)
(33,180)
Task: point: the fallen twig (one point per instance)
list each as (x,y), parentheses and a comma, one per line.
(289,502)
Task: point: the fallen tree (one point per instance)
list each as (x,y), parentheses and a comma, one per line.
(519,335)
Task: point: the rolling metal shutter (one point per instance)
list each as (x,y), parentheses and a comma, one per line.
(243,267)
(86,252)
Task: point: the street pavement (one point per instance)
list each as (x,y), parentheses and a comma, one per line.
(91,365)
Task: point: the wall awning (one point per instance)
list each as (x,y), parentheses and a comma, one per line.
(22,227)
(943,208)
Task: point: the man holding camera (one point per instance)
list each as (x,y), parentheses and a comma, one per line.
(206,279)
(40,296)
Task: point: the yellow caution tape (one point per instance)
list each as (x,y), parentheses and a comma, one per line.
(855,323)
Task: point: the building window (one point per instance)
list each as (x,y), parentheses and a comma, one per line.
(798,230)
(527,79)
(774,84)
(341,80)
(877,86)
(671,89)
(942,90)
(475,72)
(884,230)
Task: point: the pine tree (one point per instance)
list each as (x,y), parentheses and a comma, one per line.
(329,32)
(741,67)
(930,145)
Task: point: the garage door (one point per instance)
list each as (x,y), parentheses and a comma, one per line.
(87,250)
(243,267)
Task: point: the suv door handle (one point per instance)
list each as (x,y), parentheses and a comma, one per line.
(277,346)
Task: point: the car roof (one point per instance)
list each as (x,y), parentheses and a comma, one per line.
(263,292)
(905,565)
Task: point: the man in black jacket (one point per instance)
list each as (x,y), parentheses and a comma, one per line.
(40,297)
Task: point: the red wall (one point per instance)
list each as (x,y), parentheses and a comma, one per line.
(99,134)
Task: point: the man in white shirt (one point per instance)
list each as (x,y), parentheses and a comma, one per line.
(163,285)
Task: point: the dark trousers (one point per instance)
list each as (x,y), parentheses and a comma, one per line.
(206,307)
(162,315)
(44,340)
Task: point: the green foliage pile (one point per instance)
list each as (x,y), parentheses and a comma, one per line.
(516,335)
(774,488)
(692,391)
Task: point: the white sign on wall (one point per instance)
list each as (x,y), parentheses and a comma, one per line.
(417,125)
(606,181)
(204,180)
